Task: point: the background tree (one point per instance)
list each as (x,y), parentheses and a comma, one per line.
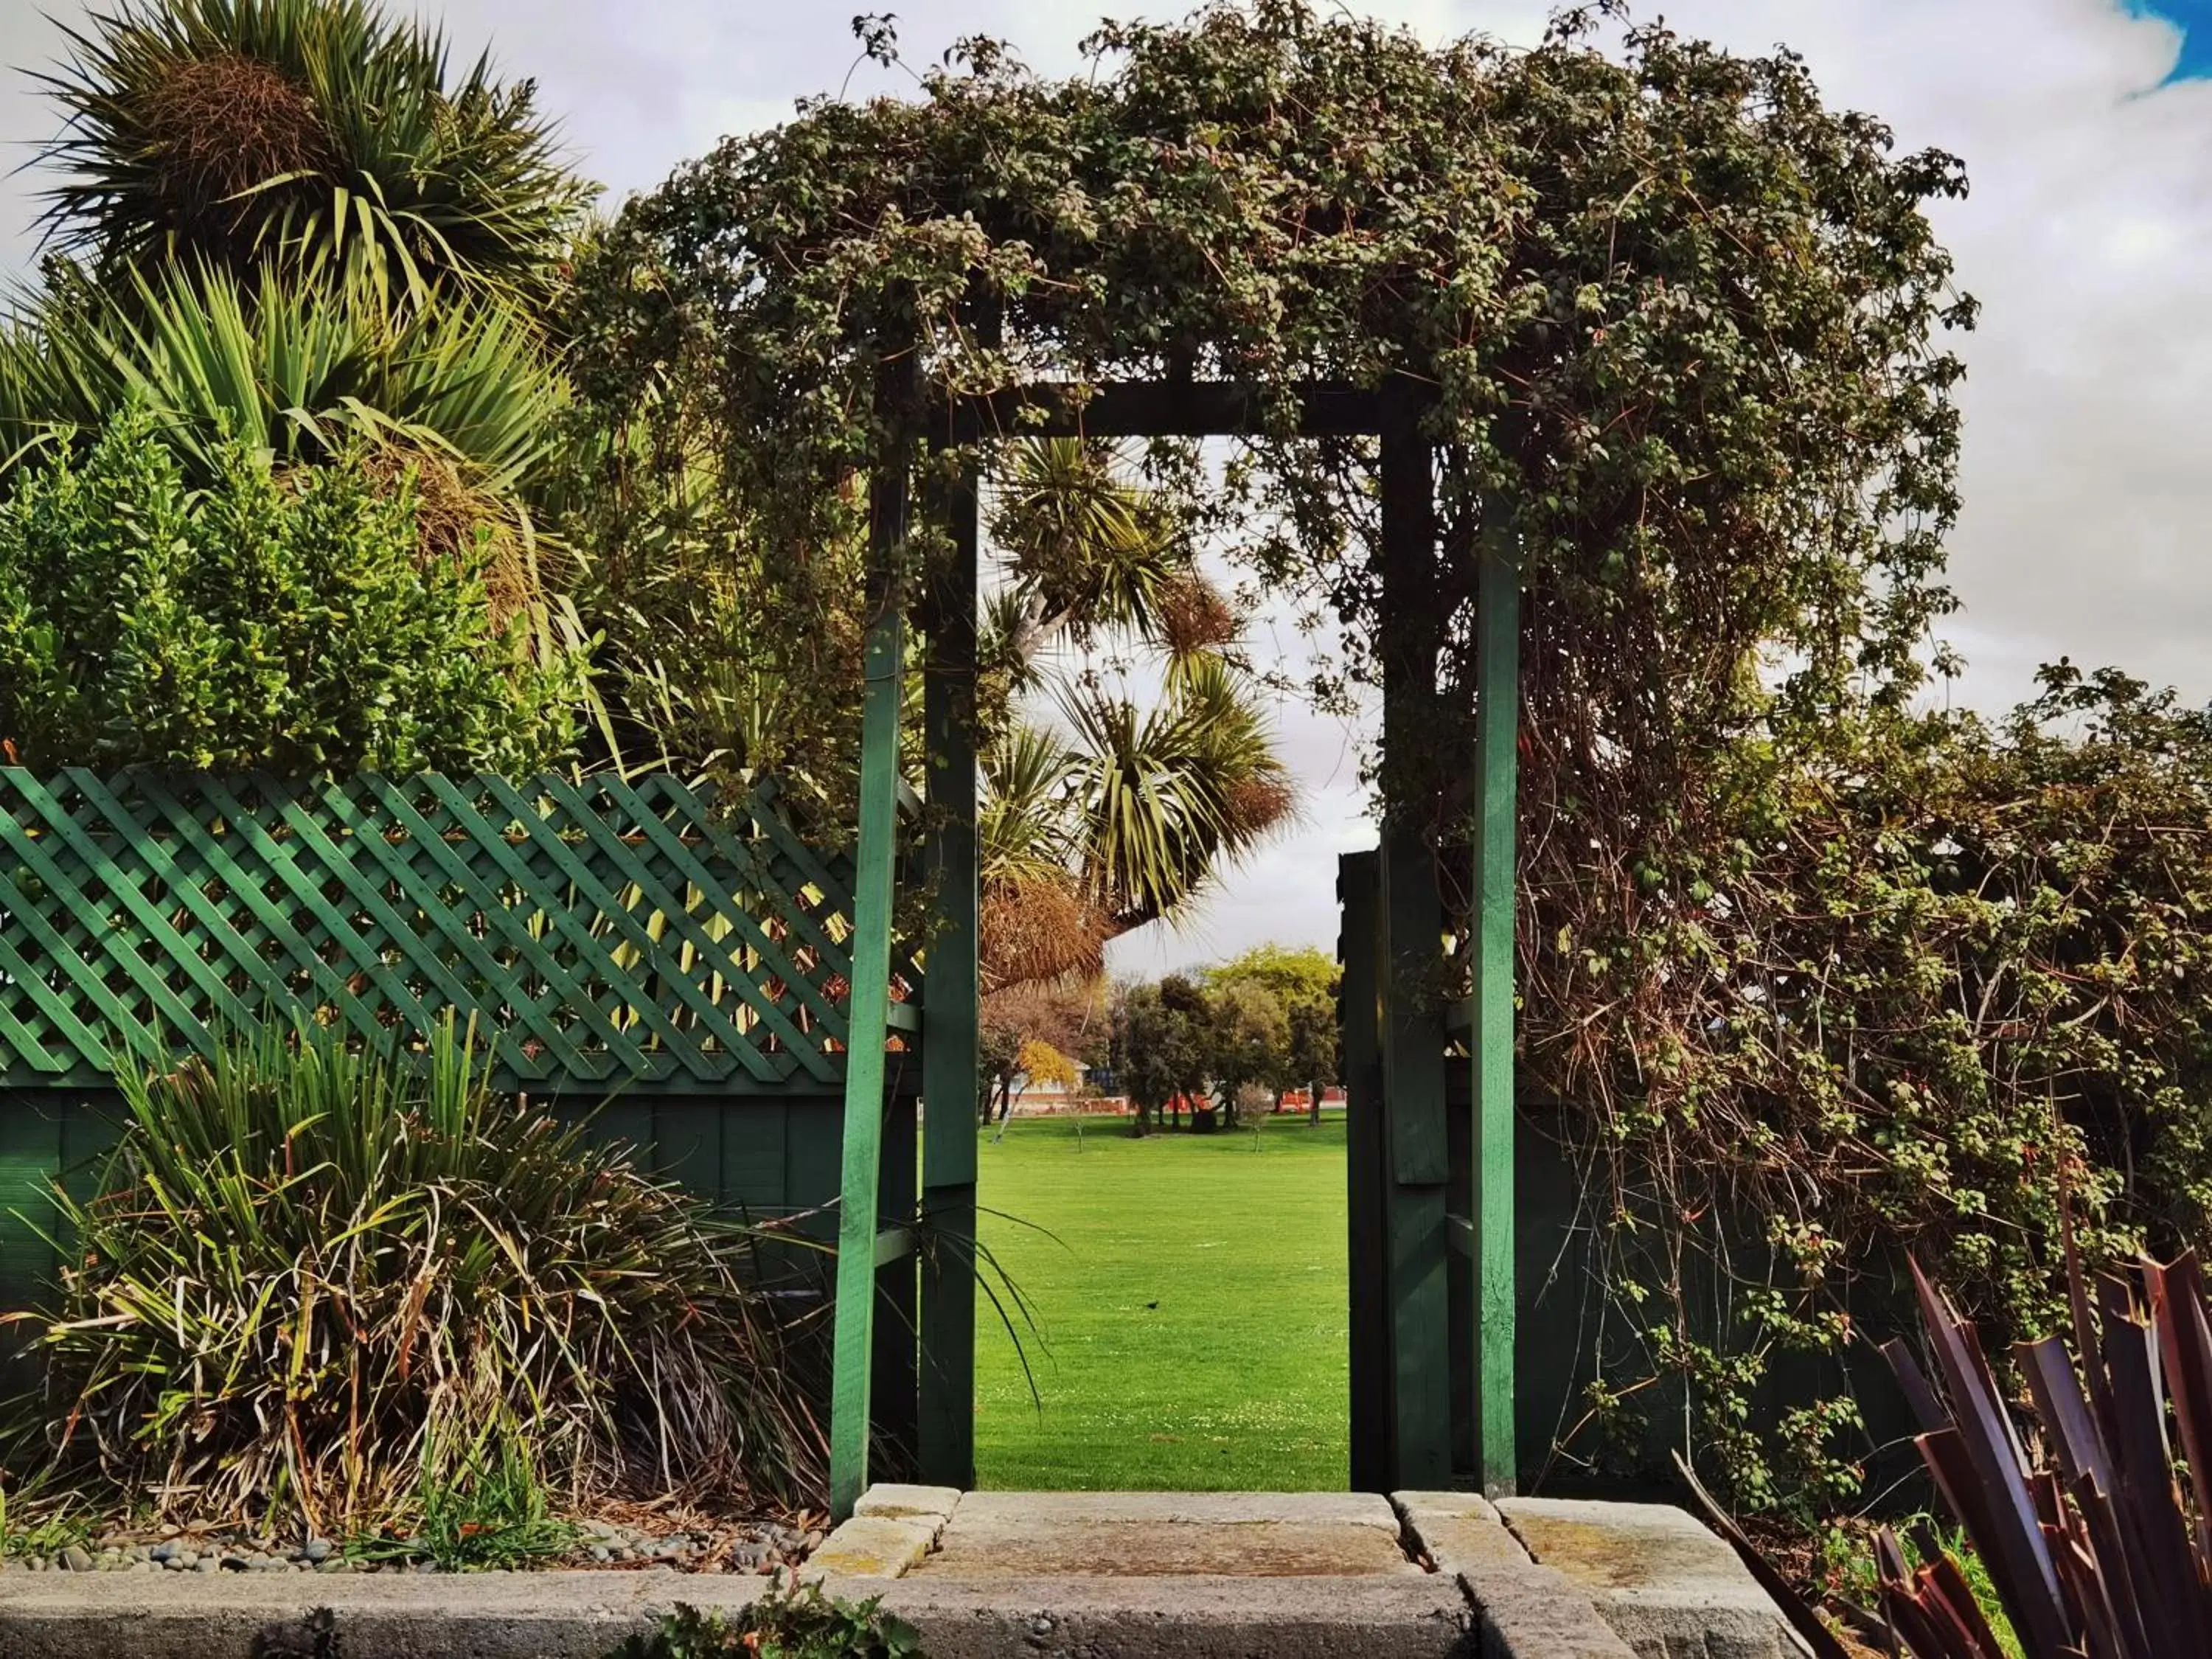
(1248,1044)
(1042,1063)
(1034,1023)
(1314,1056)
(1158,1046)
(998,1062)
(1304,982)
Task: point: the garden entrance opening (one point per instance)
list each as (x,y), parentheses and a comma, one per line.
(1430,1164)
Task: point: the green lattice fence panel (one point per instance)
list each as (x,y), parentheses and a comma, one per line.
(599,934)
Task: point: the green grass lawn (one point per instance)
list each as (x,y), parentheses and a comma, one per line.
(1189,1302)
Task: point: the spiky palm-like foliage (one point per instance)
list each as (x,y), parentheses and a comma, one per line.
(300,372)
(322,132)
(2090,1514)
(1086,549)
(1124,820)
(1107,814)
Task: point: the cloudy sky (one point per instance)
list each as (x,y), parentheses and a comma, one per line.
(2085,125)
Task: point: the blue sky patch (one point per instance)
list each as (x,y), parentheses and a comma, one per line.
(2194,19)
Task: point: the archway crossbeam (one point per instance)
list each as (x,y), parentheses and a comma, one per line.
(1410,1428)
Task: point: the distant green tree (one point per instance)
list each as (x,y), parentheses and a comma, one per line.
(1315,1057)
(1304,981)
(1158,1045)
(1248,1044)
(1300,973)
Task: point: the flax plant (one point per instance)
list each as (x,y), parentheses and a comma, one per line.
(307,1269)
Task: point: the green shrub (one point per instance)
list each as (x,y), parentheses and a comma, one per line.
(272,620)
(790,1624)
(315,1284)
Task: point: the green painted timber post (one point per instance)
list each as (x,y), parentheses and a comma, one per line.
(952,1009)
(1498,719)
(1358,996)
(870,1018)
(1415,1224)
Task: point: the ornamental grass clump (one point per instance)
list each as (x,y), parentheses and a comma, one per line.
(308,1273)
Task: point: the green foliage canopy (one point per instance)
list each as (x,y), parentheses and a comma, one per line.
(1673,310)
(284,621)
(1157,1044)
(1305,974)
(1248,1039)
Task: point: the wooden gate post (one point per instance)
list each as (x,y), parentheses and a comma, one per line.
(952,1001)
(858,1244)
(1415,1136)
(1358,1012)
(1498,718)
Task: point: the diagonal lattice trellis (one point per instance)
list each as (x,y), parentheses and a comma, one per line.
(597,931)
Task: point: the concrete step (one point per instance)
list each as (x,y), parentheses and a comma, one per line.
(1228,1575)
(1023,1575)
(1148,1575)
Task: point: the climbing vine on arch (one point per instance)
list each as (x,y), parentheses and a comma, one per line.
(1677,329)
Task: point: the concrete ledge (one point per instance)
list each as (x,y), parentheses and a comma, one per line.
(1076,1617)
(1523,1610)
(1200,1508)
(1656,1575)
(489,1615)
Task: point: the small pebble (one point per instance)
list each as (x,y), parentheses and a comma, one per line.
(318,1549)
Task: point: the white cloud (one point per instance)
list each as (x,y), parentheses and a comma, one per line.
(2088,237)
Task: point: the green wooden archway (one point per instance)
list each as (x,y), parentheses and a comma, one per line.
(1409,1428)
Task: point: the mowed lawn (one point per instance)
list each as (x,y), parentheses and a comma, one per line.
(1189,1303)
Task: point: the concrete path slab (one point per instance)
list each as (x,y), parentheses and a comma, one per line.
(1016,1575)
(1156,1575)
(491,1615)
(1168,1535)
(1523,1611)
(1200,1508)
(1186,1617)
(1659,1577)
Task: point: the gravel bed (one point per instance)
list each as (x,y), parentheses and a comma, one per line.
(757,1547)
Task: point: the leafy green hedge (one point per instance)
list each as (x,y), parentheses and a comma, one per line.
(281,620)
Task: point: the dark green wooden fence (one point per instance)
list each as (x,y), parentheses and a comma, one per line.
(677,966)
(599,934)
